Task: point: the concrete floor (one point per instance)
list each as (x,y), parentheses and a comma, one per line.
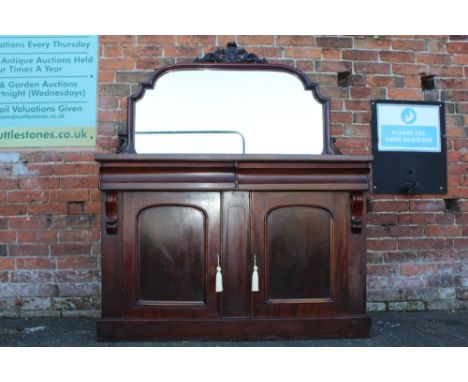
(389,329)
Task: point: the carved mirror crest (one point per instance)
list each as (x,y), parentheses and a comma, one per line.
(228,102)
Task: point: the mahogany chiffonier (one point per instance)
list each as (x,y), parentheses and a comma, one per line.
(228,213)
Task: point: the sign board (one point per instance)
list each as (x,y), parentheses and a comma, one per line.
(408,143)
(48,87)
(408,127)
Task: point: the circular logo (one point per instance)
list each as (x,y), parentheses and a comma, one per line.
(408,115)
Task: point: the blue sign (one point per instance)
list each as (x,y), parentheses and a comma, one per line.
(48,87)
(407,127)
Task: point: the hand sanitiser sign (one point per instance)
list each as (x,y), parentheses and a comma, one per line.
(408,127)
(48,87)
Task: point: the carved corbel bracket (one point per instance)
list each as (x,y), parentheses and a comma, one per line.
(111,208)
(357,211)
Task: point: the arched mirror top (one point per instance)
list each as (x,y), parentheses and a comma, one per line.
(228,102)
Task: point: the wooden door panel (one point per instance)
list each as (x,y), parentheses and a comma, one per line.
(297,255)
(170,254)
(299,241)
(171,251)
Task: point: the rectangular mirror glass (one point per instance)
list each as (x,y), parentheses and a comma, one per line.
(227,111)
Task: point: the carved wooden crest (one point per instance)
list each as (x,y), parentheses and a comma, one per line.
(231,54)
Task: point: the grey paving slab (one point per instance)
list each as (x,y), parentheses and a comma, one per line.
(389,329)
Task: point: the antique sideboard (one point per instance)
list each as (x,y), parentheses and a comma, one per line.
(244,237)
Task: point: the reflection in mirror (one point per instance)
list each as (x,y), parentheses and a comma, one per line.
(224,111)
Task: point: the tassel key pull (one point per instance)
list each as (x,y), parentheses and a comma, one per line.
(219,278)
(255,287)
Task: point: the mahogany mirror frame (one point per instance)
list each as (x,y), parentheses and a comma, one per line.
(250,62)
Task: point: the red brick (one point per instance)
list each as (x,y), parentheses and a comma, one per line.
(418,269)
(445,218)
(153,63)
(341,117)
(106,76)
(408,69)
(75,169)
(433,59)
(412,244)
(460,59)
(27,196)
(307,66)
(75,276)
(112,115)
(80,235)
(412,94)
(443,230)
(161,39)
(41,169)
(457,47)
(334,42)
(303,52)
(77,262)
(69,195)
(35,263)
(419,218)
(116,63)
(109,39)
(31,276)
(79,182)
(68,249)
(333,66)
(182,51)
(203,40)
(7,263)
(357,105)
(352,143)
(272,52)
(3,276)
(255,40)
(460,243)
(390,81)
(381,245)
(382,269)
(295,40)
(389,56)
(371,43)
(372,68)
(12,209)
(360,55)
(427,205)
(28,249)
(412,45)
(388,206)
(382,218)
(37,236)
(108,102)
(142,51)
(92,208)
(8,183)
(7,236)
(41,183)
(49,209)
(457,95)
(331,54)
(112,51)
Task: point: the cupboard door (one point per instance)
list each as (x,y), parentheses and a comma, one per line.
(298,241)
(170,256)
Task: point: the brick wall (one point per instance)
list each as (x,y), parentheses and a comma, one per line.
(417,245)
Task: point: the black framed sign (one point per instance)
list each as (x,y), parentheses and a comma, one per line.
(408,143)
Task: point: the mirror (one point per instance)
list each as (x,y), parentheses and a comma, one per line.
(228,111)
